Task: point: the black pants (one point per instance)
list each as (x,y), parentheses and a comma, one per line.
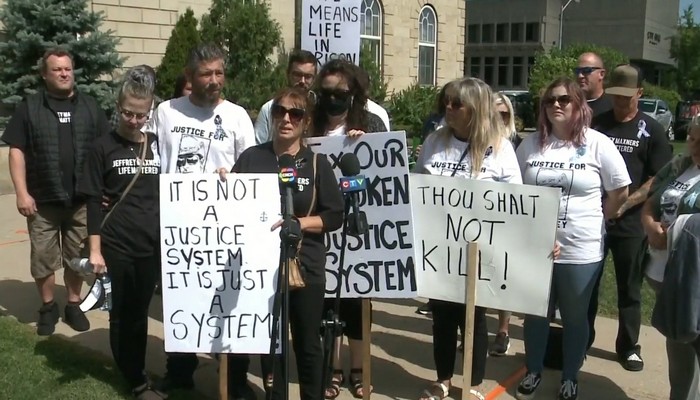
(305,312)
(133,281)
(447,318)
(628,256)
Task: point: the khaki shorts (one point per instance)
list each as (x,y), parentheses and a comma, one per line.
(56,235)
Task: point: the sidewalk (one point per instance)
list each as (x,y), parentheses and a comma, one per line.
(402,364)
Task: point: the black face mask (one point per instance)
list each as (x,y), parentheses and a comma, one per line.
(335,102)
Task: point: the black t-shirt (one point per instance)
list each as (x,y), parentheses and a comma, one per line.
(601,105)
(133,227)
(329,200)
(645,148)
(17,133)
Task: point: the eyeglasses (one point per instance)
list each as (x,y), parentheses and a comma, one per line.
(340,94)
(585,70)
(128,115)
(295,114)
(454,104)
(562,100)
(300,75)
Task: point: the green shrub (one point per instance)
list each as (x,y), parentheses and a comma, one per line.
(183,38)
(671,97)
(410,107)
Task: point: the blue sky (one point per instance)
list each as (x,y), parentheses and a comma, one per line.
(686,3)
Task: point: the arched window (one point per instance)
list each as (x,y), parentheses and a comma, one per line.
(371,22)
(427,46)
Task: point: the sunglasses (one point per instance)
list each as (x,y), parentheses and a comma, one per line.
(128,115)
(454,104)
(562,100)
(190,160)
(295,114)
(505,115)
(339,94)
(585,70)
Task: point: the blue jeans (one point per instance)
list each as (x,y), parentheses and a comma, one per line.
(572,285)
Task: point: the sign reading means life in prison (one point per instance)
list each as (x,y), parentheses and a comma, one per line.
(219,261)
(379,263)
(514,225)
(331,29)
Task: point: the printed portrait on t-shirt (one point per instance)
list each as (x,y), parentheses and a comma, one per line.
(219,133)
(192,154)
(558,178)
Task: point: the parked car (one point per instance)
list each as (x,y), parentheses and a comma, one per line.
(659,110)
(685,111)
(523,108)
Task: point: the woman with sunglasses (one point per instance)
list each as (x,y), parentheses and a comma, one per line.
(473,145)
(123,166)
(318,206)
(340,110)
(583,163)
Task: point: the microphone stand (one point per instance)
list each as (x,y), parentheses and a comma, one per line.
(332,325)
(280,310)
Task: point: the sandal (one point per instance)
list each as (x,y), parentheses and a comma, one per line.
(269,381)
(356,383)
(146,392)
(337,381)
(476,394)
(436,391)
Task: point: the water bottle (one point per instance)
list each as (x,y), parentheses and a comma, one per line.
(107,286)
(81,265)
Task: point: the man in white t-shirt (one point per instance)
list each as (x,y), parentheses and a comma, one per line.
(199,133)
(301,71)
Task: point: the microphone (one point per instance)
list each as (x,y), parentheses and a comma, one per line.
(291,231)
(351,184)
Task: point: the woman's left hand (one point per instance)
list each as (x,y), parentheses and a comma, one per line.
(355,132)
(276,225)
(556,251)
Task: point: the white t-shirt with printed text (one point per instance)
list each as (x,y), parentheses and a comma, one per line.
(193,139)
(441,154)
(583,174)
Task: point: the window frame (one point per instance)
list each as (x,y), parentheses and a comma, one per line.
(434,45)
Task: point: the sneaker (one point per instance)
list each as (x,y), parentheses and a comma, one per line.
(48,317)
(75,318)
(424,309)
(528,386)
(633,361)
(500,345)
(568,390)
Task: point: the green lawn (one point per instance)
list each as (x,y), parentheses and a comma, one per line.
(52,368)
(608,294)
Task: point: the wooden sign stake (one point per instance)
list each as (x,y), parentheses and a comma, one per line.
(366,348)
(470,301)
(223,376)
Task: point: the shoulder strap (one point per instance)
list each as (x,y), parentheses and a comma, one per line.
(313,195)
(142,161)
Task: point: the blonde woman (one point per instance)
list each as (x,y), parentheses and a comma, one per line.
(473,145)
(504,108)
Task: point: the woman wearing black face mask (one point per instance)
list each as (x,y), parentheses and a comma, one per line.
(340,110)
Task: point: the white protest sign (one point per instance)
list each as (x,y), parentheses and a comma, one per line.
(219,261)
(380,263)
(331,29)
(514,225)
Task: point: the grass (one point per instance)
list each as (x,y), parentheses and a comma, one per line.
(607,299)
(32,367)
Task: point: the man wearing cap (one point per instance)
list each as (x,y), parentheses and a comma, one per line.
(644,146)
(590,74)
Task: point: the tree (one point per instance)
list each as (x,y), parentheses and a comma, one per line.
(183,38)
(685,50)
(556,63)
(377,85)
(33,26)
(250,36)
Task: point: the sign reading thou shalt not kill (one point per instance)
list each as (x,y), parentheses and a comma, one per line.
(514,226)
(219,261)
(331,29)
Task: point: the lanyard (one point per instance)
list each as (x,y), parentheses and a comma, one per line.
(461,158)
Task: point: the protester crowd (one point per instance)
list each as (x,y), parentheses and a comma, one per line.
(90,188)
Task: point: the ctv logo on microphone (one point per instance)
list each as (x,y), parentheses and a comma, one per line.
(353,183)
(287,175)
